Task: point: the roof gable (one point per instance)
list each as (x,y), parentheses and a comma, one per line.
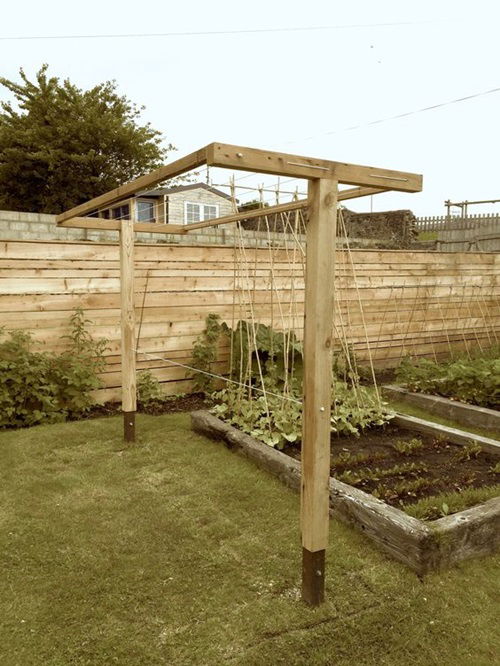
(161,191)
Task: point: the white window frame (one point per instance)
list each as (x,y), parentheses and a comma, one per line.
(200,205)
(148,201)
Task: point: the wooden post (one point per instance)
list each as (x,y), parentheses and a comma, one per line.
(316,428)
(129,402)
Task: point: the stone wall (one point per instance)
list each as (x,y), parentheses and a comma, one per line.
(393,229)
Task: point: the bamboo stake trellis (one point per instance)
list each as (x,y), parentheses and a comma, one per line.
(323,178)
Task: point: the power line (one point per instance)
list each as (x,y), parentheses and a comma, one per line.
(249,31)
(401,115)
(424,109)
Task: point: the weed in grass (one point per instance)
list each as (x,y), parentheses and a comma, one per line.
(408,447)
(495,468)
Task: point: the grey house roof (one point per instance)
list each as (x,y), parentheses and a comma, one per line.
(160,191)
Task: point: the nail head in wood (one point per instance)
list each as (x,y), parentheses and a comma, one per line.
(129,426)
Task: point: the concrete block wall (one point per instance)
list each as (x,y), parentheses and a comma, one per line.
(37,226)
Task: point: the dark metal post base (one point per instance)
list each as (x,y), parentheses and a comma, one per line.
(313,577)
(129,426)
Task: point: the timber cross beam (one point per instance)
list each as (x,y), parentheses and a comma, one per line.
(368,180)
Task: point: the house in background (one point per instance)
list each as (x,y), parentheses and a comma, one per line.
(172,205)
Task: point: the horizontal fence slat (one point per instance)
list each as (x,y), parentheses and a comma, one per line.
(390,303)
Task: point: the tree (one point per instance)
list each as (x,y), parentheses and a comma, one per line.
(63,145)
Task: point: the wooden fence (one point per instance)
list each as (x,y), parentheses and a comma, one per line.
(393,302)
(442,222)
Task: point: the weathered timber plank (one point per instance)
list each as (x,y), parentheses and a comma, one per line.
(460,437)
(467,415)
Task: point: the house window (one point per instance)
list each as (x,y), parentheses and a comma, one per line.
(145,211)
(121,212)
(198,212)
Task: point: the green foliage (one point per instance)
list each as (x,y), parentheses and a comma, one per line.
(468,452)
(362,476)
(149,392)
(403,489)
(205,353)
(271,362)
(278,353)
(277,420)
(273,420)
(495,468)
(408,447)
(437,506)
(348,460)
(62,145)
(475,381)
(253,205)
(39,387)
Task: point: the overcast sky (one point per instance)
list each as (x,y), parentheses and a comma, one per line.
(295,91)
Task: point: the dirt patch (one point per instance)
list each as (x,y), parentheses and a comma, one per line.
(402,467)
(185,403)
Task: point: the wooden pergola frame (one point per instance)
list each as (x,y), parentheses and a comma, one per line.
(324,177)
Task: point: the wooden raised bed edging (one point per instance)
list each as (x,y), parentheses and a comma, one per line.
(454,435)
(421,546)
(466,415)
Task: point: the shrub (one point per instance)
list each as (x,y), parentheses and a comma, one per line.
(41,387)
(149,392)
(205,353)
(475,381)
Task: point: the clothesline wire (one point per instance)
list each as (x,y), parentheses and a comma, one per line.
(215,376)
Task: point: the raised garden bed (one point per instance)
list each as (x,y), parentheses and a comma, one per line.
(461,412)
(421,545)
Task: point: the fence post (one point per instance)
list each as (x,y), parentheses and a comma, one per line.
(129,400)
(316,424)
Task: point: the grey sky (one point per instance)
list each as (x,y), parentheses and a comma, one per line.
(295,91)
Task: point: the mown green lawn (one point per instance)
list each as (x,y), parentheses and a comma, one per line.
(176,551)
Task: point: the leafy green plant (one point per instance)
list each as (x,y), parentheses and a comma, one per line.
(259,351)
(408,447)
(271,419)
(205,353)
(495,468)
(475,381)
(270,364)
(277,420)
(406,488)
(348,460)
(363,476)
(41,387)
(149,392)
(468,452)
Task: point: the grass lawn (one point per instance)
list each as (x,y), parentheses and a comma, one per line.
(176,551)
